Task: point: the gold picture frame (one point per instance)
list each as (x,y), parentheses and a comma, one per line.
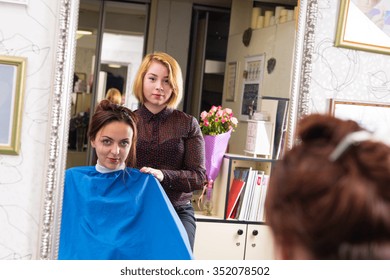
(362,26)
(373,116)
(12,81)
(231,81)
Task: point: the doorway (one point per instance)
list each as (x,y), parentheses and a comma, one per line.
(206,67)
(111,40)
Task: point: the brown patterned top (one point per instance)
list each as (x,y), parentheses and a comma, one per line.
(172,142)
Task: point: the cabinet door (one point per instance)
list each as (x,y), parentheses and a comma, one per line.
(219,241)
(259,244)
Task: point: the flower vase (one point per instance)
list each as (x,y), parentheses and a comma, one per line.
(208,199)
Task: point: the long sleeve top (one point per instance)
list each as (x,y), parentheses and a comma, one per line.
(172,142)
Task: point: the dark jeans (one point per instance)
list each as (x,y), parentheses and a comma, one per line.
(187,217)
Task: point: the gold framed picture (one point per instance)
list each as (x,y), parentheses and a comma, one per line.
(373,116)
(12,80)
(231,78)
(364,25)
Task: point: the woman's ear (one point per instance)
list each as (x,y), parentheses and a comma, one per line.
(93,143)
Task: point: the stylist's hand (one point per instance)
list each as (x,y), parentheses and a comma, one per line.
(155,172)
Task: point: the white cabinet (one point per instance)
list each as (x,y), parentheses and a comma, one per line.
(259,243)
(220,238)
(259,138)
(232,241)
(214,241)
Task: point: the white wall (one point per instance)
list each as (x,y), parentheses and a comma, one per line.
(276,41)
(27,31)
(171,30)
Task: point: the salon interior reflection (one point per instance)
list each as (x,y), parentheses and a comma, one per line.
(111,42)
(110,47)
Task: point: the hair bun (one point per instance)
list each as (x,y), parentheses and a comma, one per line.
(325,128)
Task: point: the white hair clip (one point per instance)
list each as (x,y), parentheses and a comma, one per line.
(347,141)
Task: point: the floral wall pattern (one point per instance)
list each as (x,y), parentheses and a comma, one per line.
(344,73)
(28,31)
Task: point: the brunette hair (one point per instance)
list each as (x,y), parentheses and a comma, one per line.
(334,209)
(107,112)
(174,76)
(114,95)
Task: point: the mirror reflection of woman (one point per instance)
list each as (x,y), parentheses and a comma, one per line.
(114,96)
(111,211)
(170,143)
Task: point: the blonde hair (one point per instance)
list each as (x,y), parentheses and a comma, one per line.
(174,76)
(114,95)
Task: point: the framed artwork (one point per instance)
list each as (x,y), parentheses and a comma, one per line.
(253,78)
(374,117)
(81,84)
(231,77)
(12,80)
(364,25)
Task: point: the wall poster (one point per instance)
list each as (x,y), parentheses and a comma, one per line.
(253,77)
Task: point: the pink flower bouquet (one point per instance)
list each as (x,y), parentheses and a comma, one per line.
(217,121)
(217,126)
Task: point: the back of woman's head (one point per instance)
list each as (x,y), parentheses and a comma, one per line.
(107,112)
(333,208)
(114,95)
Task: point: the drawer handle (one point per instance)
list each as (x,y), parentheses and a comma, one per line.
(240,232)
(255,232)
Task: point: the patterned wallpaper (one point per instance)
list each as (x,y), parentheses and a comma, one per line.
(344,73)
(27,31)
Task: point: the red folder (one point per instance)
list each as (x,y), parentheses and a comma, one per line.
(234,194)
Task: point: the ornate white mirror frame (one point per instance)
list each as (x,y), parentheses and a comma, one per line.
(59,130)
(301,77)
(60,113)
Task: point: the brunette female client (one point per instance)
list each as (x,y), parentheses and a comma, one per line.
(111,211)
(329,197)
(170,143)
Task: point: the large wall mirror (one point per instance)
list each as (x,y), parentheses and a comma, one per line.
(95,83)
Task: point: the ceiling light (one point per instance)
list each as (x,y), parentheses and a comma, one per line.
(114,66)
(81,33)
(84,32)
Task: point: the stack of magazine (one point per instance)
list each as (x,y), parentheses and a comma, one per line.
(247,195)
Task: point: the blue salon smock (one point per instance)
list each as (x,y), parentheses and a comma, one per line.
(119,215)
